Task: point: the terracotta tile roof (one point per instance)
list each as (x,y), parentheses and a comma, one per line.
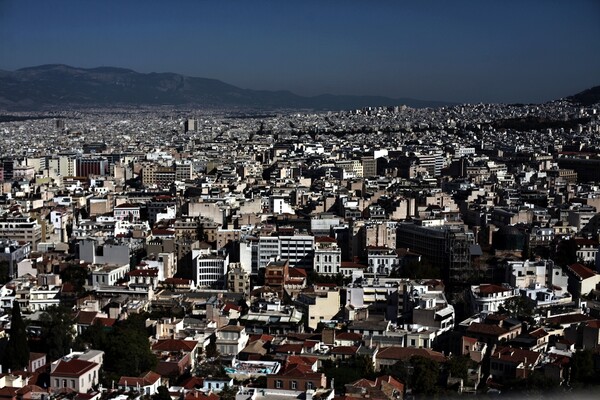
(175,345)
(196,395)
(594,324)
(149,378)
(144,272)
(486,329)
(193,382)
(515,355)
(568,319)
(289,348)
(300,371)
(297,273)
(107,322)
(344,350)
(491,288)
(72,368)
(305,360)
(325,239)
(405,353)
(581,271)
(355,337)
(86,317)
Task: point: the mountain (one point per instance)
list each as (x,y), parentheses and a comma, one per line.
(57,85)
(587,97)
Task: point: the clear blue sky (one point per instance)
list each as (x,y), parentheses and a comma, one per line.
(466,51)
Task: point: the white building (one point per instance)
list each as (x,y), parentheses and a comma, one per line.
(328,256)
(489,297)
(209,269)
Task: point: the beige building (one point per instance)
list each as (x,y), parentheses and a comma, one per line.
(238,279)
(321,303)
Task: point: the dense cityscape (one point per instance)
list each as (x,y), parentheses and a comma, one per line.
(386,252)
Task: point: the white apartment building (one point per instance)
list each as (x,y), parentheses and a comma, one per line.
(489,297)
(328,256)
(209,269)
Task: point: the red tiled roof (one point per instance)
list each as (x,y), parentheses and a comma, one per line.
(405,353)
(144,272)
(344,350)
(594,324)
(193,382)
(74,367)
(325,239)
(568,319)
(491,288)
(289,348)
(305,360)
(581,271)
(516,355)
(349,336)
(86,317)
(149,378)
(297,273)
(175,345)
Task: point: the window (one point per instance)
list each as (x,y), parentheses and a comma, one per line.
(294,385)
(278,384)
(309,386)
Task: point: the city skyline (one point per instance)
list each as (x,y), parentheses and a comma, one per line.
(468,51)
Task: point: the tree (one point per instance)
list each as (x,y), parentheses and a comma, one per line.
(425,375)
(134,358)
(582,368)
(517,307)
(459,366)
(16,356)
(58,331)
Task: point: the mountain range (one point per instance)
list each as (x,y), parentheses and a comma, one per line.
(57,85)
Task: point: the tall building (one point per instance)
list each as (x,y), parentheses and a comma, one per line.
(92,166)
(24,229)
(328,256)
(190,125)
(447,247)
(209,270)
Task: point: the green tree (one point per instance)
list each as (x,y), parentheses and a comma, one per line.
(517,307)
(16,355)
(582,368)
(459,366)
(132,359)
(58,331)
(425,375)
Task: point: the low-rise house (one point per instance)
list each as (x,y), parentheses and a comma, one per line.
(175,357)
(383,387)
(76,372)
(297,376)
(513,363)
(146,384)
(582,280)
(388,356)
(231,339)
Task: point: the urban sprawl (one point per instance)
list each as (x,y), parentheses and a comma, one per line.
(383,253)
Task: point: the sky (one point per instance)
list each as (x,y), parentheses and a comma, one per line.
(461,50)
